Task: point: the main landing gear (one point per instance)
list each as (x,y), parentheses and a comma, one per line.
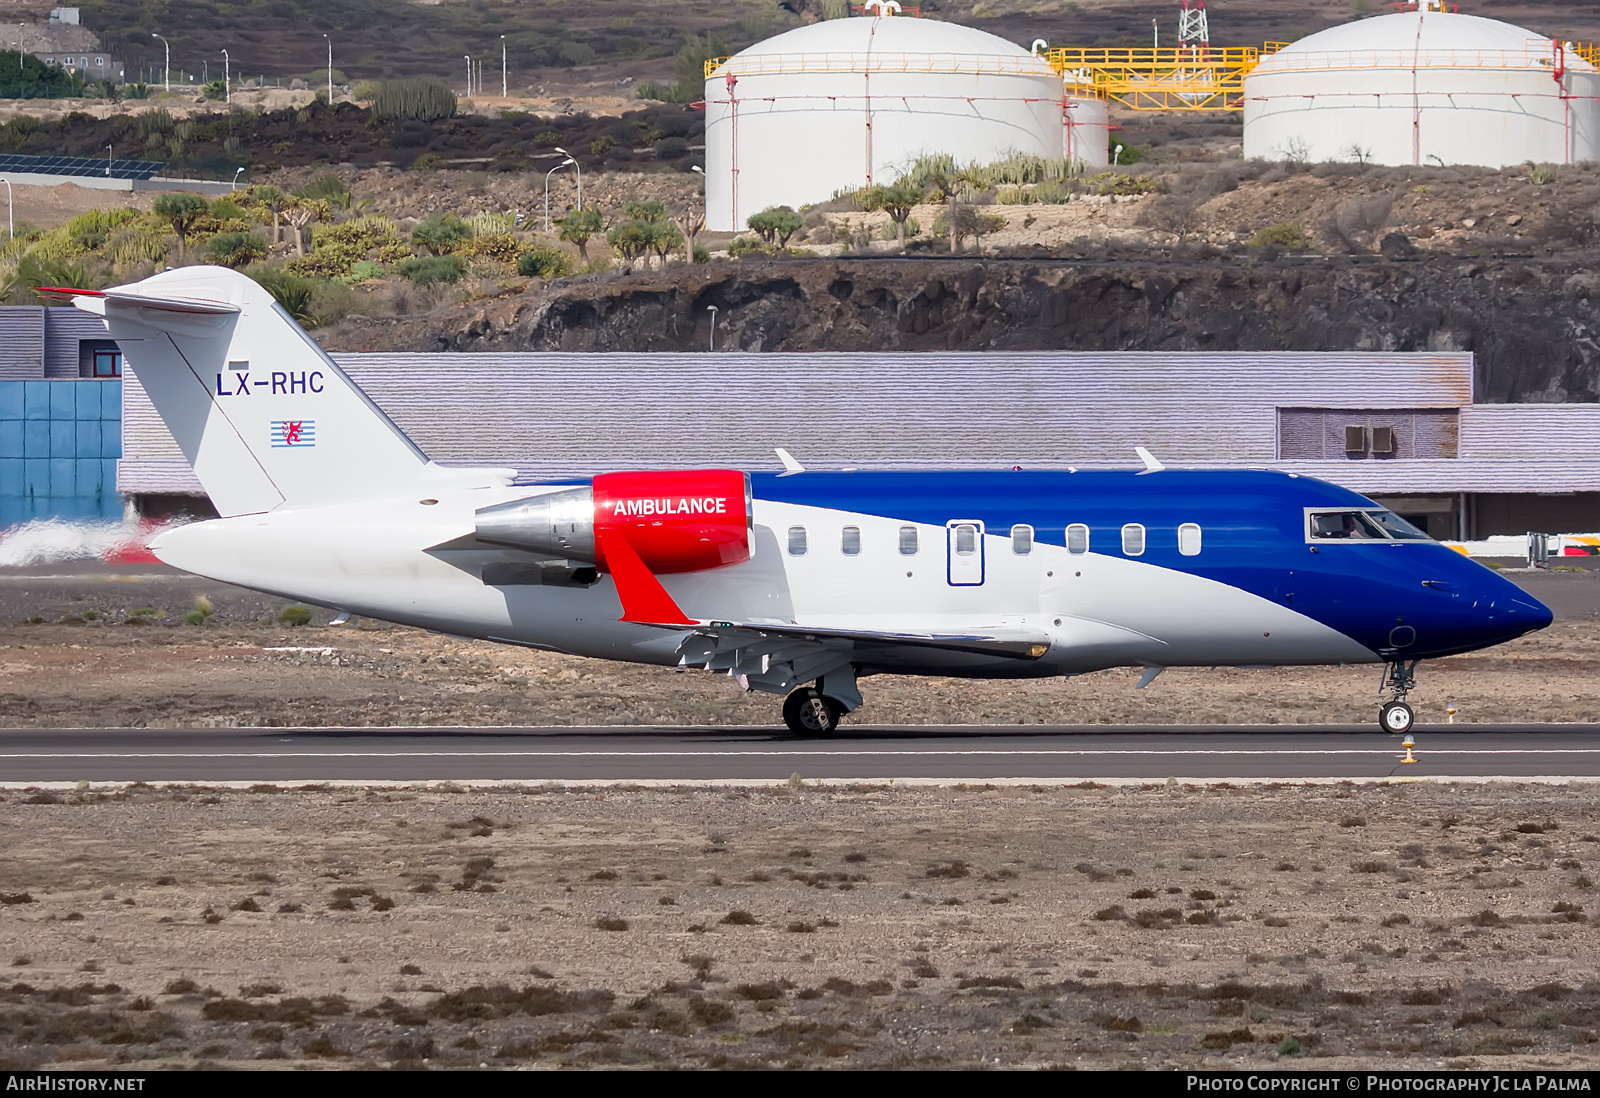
(809,713)
(1396,717)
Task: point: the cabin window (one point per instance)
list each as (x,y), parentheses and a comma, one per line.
(1022,540)
(966,539)
(850,542)
(908,541)
(1077,538)
(1133,540)
(797,541)
(1189,539)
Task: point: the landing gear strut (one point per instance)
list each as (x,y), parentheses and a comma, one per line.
(1396,716)
(809,713)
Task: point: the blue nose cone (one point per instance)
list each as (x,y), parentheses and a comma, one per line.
(1463,606)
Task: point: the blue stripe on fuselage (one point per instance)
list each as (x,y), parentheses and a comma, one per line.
(1253,538)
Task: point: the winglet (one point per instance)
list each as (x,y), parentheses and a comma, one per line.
(644,600)
(1151,465)
(790,465)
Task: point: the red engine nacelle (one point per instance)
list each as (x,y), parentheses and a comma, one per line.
(676,521)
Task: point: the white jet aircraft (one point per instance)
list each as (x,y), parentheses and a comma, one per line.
(798,584)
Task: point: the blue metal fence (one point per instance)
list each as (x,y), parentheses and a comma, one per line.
(59,445)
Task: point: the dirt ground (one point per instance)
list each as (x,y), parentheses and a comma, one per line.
(103,650)
(1401,926)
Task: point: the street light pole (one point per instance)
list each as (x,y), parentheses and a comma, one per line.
(712,309)
(330,71)
(468,58)
(108,159)
(11,222)
(235,184)
(547,176)
(227,81)
(576,167)
(166,72)
(503,93)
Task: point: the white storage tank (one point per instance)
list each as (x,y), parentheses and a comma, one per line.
(1425,86)
(851,102)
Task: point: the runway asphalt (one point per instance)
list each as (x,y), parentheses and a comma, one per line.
(686,755)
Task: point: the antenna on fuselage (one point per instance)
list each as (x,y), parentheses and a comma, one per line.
(790,465)
(1151,465)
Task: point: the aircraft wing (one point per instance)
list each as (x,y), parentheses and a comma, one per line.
(776,657)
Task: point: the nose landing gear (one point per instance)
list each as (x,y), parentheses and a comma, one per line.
(1396,717)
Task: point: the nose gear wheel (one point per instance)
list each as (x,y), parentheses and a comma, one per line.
(1396,716)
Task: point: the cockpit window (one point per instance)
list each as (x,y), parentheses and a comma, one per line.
(1345,526)
(1362,526)
(1397,527)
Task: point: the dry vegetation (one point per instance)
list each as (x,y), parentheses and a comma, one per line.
(1399,926)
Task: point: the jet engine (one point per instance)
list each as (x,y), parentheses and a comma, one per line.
(674,521)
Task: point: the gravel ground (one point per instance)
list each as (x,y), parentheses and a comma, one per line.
(1404,926)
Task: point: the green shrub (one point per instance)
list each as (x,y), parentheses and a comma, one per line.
(1119,183)
(1130,154)
(602,145)
(1541,175)
(544,261)
(295,614)
(363,270)
(194,617)
(501,246)
(427,162)
(1052,194)
(292,292)
(742,246)
(235,250)
(1014,196)
(1285,236)
(441,233)
(414,99)
(427,270)
(702,254)
(651,90)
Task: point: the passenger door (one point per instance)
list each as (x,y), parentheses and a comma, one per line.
(964,552)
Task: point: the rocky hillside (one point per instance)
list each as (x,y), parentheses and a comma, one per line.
(1532,323)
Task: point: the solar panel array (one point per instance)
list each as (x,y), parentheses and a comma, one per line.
(79,166)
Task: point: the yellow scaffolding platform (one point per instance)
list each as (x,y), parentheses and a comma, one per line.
(1181,79)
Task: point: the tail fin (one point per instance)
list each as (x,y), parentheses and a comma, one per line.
(262,413)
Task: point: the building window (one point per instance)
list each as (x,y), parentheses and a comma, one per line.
(797,541)
(850,541)
(1189,539)
(107,364)
(49,60)
(908,541)
(1133,540)
(100,62)
(1022,540)
(1077,538)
